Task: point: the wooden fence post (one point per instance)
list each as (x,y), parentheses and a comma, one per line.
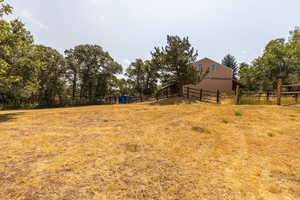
(218,96)
(201,92)
(237,95)
(268,96)
(188,92)
(167,93)
(279,90)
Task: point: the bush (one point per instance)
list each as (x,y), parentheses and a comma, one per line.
(225,121)
(237,113)
(270,134)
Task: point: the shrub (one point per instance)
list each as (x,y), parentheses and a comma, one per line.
(237,113)
(271,134)
(225,121)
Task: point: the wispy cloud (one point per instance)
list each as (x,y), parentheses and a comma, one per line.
(25,14)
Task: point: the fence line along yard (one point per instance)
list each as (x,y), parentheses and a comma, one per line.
(166,92)
(291,91)
(188,92)
(284,95)
(202,95)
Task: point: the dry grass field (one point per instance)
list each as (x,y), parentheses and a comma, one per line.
(151,151)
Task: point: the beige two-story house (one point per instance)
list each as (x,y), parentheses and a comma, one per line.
(218,78)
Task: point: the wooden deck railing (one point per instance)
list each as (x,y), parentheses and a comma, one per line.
(202,95)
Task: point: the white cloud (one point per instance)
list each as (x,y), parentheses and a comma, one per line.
(31,19)
(244,52)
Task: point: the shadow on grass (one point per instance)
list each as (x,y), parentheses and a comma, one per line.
(42,107)
(8,116)
(174,101)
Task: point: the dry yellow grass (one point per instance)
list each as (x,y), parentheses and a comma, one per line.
(145,151)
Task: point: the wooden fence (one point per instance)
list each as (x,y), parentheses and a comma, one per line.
(166,92)
(202,95)
(283,95)
(188,92)
(290,92)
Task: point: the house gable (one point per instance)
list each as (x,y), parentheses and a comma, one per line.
(216,70)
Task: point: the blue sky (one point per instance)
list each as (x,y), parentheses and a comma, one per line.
(130,29)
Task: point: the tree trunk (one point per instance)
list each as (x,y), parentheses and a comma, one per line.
(141,96)
(74,88)
(180,90)
(90,92)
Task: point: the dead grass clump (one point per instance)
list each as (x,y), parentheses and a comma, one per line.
(274,189)
(200,129)
(132,147)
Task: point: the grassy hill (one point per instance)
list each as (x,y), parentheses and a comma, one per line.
(151,151)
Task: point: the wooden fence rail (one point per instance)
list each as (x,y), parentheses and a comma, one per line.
(188,92)
(282,95)
(202,95)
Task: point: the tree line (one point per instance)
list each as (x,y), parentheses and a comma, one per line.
(37,75)
(280,60)
(33,74)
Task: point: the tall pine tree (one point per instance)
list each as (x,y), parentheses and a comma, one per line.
(231,62)
(176,62)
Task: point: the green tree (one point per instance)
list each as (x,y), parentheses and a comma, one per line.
(18,72)
(5,8)
(51,74)
(151,77)
(90,70)
(249,76)
(137,72)
(125,86)
(280,60)
(294,55)
(144,75)
(231,62)
(175,62)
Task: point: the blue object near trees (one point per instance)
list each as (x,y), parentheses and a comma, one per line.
(127,99)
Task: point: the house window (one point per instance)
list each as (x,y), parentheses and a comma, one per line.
(213,68)
(200,67)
